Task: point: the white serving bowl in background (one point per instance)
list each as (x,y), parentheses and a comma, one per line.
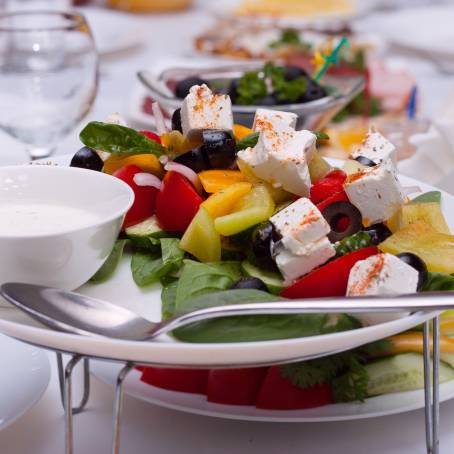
(68,257)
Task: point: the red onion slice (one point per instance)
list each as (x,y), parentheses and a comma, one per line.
(186,172)
(147,179)
(161,127)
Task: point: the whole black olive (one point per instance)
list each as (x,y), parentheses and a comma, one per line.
(339,210)
(183,86)
(313,91)
(269,100)
(365,161)
(253,283)
(263,238)
(176,121)
(87,158)
(378,232)
(216,152)
(293,72)
(418,264)
(233,90)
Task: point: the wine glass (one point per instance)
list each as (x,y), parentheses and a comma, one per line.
(48,76)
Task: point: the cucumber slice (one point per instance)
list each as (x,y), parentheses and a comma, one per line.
(404,372)
(428,197)
(147,234)
(272,280)
(145,228)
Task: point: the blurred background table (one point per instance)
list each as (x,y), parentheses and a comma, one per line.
(147,428)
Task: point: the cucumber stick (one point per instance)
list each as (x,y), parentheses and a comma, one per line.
(144,229)
(404,372)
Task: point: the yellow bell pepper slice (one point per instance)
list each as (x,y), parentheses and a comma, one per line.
(435,248)
(240,131)
(147,162)
(413,342)
(223,202)
(217,180)
(278,194)
(252,209)
(177,143)
(201,239)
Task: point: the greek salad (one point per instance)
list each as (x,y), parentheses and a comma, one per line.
(224,214)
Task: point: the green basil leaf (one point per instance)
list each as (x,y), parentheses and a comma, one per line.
(428,197)
(118,139)
(168,297)
(254,327)
(321,135)
(438,282)
(111,264)
(148,268)
(198,278)
(248,141)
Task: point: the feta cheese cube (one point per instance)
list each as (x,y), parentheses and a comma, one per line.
(376,147)
(376,192)
(281,156)
(300,224)
(201,109)
(293,266)
(266,119)
(381,274)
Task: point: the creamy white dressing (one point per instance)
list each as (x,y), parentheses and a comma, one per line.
(19,218)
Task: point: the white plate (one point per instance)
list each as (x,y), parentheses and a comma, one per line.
(24,376)
(387,404)
(122,290)
(425,29)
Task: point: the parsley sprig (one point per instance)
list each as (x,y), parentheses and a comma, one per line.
(290,37)
(255,85)
(345,372)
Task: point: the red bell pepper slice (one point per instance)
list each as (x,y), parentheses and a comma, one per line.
(235,386)
(331,184)
(338,197)
(151,135)
(183,380)
(145,196)
(278,393)
(330,279)
(177,203)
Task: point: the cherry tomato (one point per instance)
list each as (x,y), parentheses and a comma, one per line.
(177,203)
(151,135)
(145,196)
(338,197)
(278,393)
(330,279)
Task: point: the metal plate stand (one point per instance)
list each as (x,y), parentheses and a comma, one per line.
(431,391)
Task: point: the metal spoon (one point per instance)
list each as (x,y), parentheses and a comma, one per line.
(80,314)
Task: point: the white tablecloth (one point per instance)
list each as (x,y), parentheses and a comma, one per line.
(150,429)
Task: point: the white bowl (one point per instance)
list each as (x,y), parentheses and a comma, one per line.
(69,254)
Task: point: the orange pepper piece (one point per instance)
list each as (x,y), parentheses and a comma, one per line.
(217,180)
(240,131)
(224,201)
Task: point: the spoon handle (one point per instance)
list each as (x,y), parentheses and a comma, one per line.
(436,301)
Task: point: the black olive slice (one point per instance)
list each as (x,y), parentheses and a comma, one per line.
(183,86)
(193,159)
(87,158)
(365,161)
(176,121)
(263,239)
(253,283)
(418,264)
(378,232)
(338,211)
